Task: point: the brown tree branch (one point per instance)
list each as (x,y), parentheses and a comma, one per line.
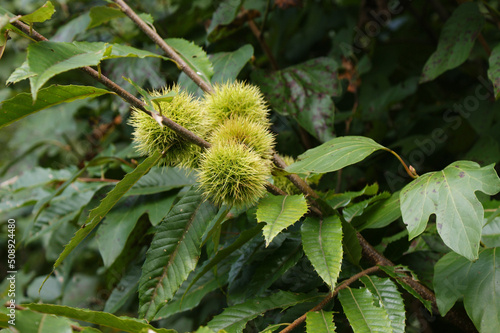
(329,297)
(164,46)
(125,95)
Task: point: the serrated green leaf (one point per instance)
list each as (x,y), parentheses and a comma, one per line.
(397,273)
(41,204)
(234,319)
(389,298)
(174,251)
(335,155)
(350,243)
(362,314)
(227,65)
(47,59)
(97,214)
(322,242)
(192,292)
(226,252)
(358,208)
(161,179)
(36,177)
(126,288)
(102,14)
(455,42)
(477,282)
(116,228)
(304,92)
(122,323)
(194,56)
(42,14)
(450,194)
(338,200)
(63,209)
(275,265)
(33,322)
(22,105)
(21,73)
(280,212)
(225,14)
(379,215)
(320,322)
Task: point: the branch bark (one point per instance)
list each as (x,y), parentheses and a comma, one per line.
(329,297)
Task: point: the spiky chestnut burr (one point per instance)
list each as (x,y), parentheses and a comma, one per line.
(236,99)
(232,173)
(242,130)
(149,136)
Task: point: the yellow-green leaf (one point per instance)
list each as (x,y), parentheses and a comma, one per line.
(280,212)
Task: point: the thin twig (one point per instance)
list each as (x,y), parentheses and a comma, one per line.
(164,46)
(263,44)
(329,297)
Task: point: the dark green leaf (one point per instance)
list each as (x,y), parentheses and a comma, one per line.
(227,65)
(379,215)
(335,155)
(455,42)
(161,179)
(126,288)
(322,242)
(194,56)
(116,228)
(174,251)
(363,315)
(63,209)
(225,14)
(103,14)
(97,214)
(477,282)
(185,299)
(494,70)
(304,92)
(450,194)
(350,243)
(358,208)
(234,319)
(226,252)
(22,104)
(337,200)
(123,323)
(275,265)
(280,212)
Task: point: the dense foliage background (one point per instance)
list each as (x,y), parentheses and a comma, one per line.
(418,77)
